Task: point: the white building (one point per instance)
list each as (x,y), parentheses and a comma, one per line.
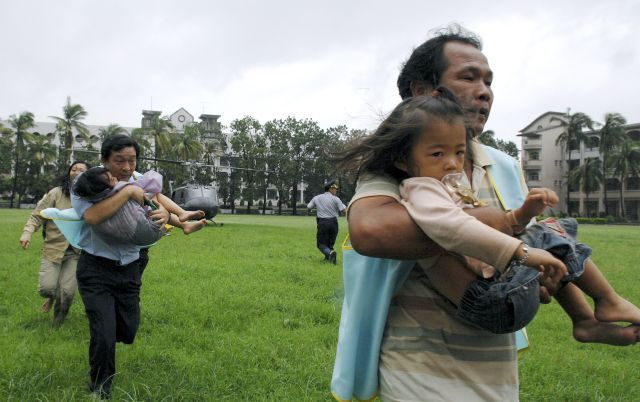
(544,166)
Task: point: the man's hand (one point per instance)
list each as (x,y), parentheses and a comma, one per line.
(160,215)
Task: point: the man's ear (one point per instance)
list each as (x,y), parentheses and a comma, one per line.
(420,88)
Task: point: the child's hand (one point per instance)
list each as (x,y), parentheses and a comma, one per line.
(536,202)
(545,262)
(135,193)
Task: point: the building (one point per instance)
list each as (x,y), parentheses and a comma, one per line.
(544,165)
(180,119)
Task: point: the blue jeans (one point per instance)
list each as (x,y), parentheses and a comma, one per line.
(509,302)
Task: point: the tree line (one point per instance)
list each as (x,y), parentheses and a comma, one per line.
(280,154)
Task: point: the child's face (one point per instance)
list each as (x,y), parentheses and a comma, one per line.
(111,179)
(438,151)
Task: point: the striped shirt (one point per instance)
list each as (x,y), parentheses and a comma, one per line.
(327,205)
(427,354)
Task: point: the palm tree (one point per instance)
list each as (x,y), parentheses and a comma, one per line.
(612,134)
(141,137)
(187,145)
(625,162)
(20,124)
(160,130)
(72,114)
(111,129)
(41,156)
(588,177)
(572,136)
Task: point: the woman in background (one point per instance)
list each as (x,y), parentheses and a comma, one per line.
(57,277)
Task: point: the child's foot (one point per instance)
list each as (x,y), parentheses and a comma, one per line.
(46,305)
(593,331)
(193,226)
(616,309)
(191,215)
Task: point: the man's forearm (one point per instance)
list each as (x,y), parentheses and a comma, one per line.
(105,209)
(381,227)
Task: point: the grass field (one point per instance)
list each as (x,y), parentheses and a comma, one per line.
(248,311)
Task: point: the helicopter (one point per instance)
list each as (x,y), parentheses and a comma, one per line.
(192,196)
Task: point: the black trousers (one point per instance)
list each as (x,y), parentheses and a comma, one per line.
(326,235)
(111,297)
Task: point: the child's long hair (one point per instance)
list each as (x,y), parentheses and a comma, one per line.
(392,141)
(92,184)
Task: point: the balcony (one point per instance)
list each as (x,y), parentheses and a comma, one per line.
(532,164)
(531,144)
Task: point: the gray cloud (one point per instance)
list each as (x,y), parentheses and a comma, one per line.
(333,61)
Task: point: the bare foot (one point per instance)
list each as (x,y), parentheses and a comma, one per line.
(593,331)
(47,304)
(191,215)
(616,309)
(193,226)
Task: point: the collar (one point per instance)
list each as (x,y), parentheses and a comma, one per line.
(480,156)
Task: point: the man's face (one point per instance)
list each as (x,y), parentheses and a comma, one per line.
(469,77)
(121,164)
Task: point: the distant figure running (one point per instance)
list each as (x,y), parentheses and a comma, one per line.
(328,208)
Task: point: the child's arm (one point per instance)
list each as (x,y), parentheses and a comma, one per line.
(434,211)
(536,202)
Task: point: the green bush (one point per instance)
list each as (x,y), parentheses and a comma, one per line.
(594,221)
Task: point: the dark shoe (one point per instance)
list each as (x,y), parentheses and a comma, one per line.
(332,257)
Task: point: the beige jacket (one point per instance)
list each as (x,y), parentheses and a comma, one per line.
(55,243)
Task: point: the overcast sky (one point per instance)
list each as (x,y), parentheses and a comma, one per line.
(334,61)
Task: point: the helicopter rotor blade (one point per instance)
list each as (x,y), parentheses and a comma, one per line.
(185,163)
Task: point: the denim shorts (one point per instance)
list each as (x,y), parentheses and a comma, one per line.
(558,236)
(502,304)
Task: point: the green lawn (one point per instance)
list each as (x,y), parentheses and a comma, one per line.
(248,311)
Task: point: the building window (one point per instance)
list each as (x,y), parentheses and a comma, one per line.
(272,194)
(633,183)
(534,176)
(613,184)
(592,142)
(534,155)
